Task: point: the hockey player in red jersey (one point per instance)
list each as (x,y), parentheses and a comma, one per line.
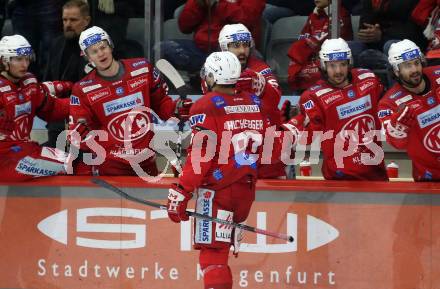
(256,78)
(344,108)
(221,167)
(410,110)
(112,98)
(22,98)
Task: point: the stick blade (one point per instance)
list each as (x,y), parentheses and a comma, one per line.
(170,72)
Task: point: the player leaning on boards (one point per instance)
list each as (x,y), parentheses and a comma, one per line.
(105,98)
(256,78)
(22,98)
(410,110)
(224,191)
(343,105)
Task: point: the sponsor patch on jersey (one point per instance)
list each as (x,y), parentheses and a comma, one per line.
(38,167)
(5,88)
(139,71)
(243,108)
(429,117)
(331,98)
(139,63)
(203,228)
(120,91)
(315,87)
(266,71)
(91,87)
(99,94)
(366,75)
(124,103)
(309,105)
(137,82)
(74,100)
(366,85)
(10,97)
(24,108)
(253,124)
(218,101)
(354,107)
(431,101)
(223,233)
(396,94)
(404,99)
(85,82)
(384,113)
(256,100)
(351,93)
(29,81)
(217,174)
(197,119)
(322,91)
(437,72)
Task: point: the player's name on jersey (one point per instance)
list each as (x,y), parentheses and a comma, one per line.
(256,124)
(242,109)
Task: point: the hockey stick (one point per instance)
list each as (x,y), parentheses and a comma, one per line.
(120,192)
(176,79)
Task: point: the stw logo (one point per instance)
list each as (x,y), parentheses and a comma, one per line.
(357,128)
(56,227)
(432,139)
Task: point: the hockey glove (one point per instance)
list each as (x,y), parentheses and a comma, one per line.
(80,130)
(252,82)
(57,88)
(316,40)
(182,108)
(177,203)
(401,122)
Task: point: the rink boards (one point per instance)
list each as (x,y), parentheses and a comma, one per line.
(64,232)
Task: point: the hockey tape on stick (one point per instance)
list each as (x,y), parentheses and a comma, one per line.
(173,75)
(123,194)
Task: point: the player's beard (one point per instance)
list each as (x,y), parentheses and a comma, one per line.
(412,80)
(338,82)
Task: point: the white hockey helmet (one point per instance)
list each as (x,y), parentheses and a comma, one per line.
(333,50)
(224,67)
(403,51)
(13,46)
(234,33)
(92,36)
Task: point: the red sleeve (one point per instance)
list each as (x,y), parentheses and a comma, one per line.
(161,103)
(193,174)
(51,108)
(422,11)
(191,17)
(247,12)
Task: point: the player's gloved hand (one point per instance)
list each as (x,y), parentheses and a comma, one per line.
(79,133)
(182,108)
(177,203)
(401,121)
(316,40)
(57,88)
(252,82)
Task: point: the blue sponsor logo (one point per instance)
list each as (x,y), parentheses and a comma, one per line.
(93,39)
(410,55)
(74,100)
(429,117)
(85,82)
(21,97)
(309,105)
(197,119)
(396,94)
(16,149)
(316,87)
(244,36)
(217,174)
(138,63)
(266,71)
(218,101)
(437,72)
(256,100)
(431,101)
(120,91)
(351,94)
(427,176)
(24,51)
(384,113)
(354,107)
(338,56)
(124,103)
